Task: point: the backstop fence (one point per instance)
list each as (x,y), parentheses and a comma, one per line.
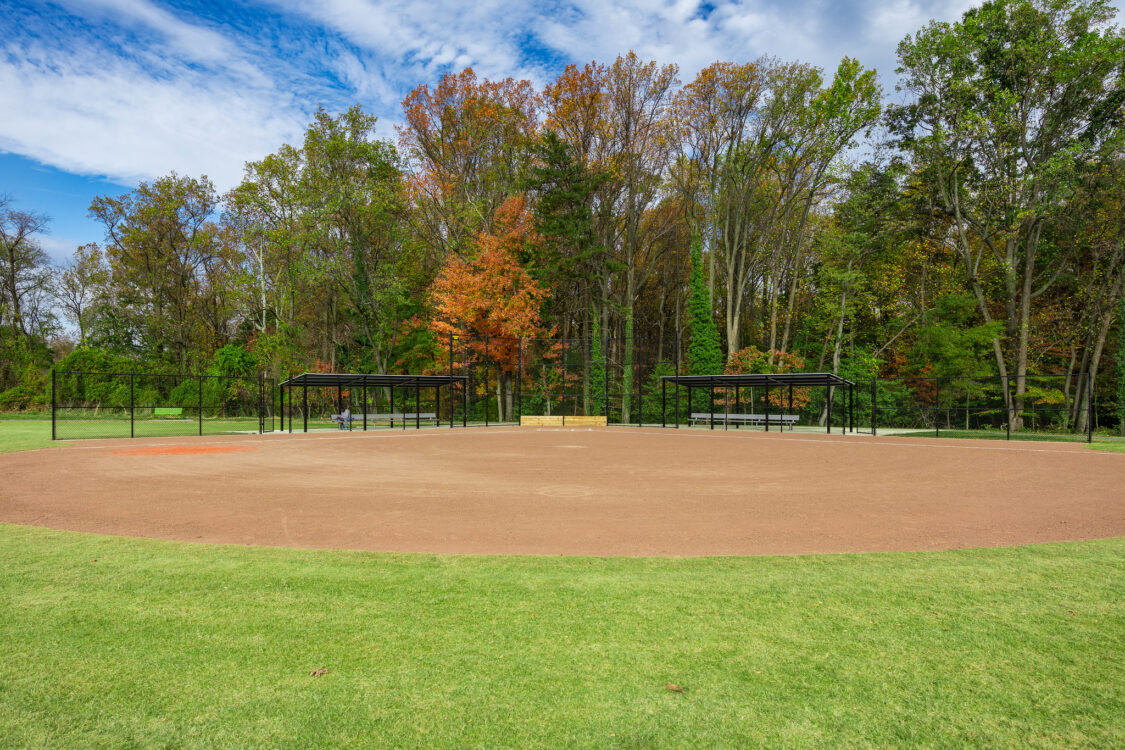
(501,379)
(116,405)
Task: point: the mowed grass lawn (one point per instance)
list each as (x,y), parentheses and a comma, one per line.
(112,642)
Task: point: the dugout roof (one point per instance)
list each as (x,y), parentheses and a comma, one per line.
(759,379)
(358,380)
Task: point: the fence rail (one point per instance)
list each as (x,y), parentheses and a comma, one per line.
(114,405)
(510,378)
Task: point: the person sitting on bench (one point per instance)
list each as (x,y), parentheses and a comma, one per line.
(346,420)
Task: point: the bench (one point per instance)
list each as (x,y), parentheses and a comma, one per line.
(392,418)
(751,419)
(167,411)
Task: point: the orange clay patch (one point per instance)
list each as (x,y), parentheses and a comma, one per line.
(183,450)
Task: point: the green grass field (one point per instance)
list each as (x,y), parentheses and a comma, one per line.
(112,642)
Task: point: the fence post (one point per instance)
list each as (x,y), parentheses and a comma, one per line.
(54,432)
(640,391)
(1008,406)
(519,379)
(261,404)
(663,401)
(1090,406)
(365,404)
(132,406)
(200,379)
(450,381)
(605,363)
(937,406)
(487,395)
(305,402)
(874,403)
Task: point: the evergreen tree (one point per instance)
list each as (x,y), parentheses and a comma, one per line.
(705,356)
(597,367)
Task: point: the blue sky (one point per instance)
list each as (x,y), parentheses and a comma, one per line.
(97,95)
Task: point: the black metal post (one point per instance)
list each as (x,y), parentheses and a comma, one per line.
(392,422)
(562,407)
(519,379)
(437,405)
(640,391)
(132,406)
(829,420)
(605,361)
(465,402)
(737,407)
(711,394)
(663,401)
(937,406)
(54,432)
(726,410)
(874,403)
(339,398)
(450,380)
(1090,407)
(305,402)
(365,405)
(261,406)
(767,406)
(486,380)
(1008,404)
(281,405)
(417,406)
(677,382)
(200,379)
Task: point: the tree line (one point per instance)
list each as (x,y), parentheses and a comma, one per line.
(763,212)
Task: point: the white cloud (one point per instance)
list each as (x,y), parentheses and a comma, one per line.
(141,90)
(88,116)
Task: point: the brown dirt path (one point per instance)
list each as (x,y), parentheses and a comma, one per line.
(615,491)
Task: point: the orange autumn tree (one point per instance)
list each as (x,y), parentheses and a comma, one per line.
(491,297)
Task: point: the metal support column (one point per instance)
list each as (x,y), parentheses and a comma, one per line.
(305,402)
(365,405)
(54,405)
(937,406)
(1090,407)
(519,379)
(605,362)
(767,406)
(829,420)
(417,406)
(663,401)
(874,403)
(200,379)
(392,423)
(640,390)
(437,405)
(465,402)
(711,395)
(486,380)
(1008,404)
(726,410)
(132,407)
(562,408)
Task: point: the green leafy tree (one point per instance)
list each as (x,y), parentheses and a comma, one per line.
(1010,104)
(705,355)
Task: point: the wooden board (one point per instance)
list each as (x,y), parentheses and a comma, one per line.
(541,421)
(584,421)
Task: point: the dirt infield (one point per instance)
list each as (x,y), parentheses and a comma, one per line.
(600,491)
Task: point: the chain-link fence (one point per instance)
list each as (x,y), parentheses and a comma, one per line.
(122,405)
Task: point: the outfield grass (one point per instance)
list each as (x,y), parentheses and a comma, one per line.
(110,642)
(25,434)
(1101,442)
